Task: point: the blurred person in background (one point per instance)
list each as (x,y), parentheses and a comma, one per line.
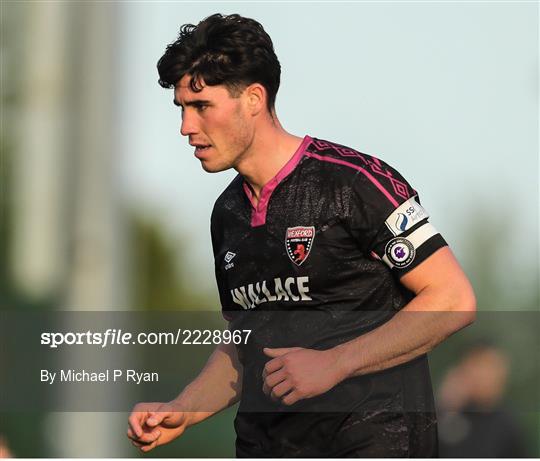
(473,420)
(308,226)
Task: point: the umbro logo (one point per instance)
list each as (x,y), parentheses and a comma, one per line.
(228,258)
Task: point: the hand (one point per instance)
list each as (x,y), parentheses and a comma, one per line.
(295,373)
(155,423)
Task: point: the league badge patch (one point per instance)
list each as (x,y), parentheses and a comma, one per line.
(298,242)
(400,252)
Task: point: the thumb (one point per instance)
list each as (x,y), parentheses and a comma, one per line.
(156,418)
(279,351)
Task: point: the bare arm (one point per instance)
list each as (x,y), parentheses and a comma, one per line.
(444,303)
(218,386)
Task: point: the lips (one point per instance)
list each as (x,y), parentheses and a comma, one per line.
(201,149)
(200,146)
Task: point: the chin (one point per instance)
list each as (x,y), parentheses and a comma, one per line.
(212,168)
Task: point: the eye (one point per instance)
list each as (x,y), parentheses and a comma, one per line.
(201,107)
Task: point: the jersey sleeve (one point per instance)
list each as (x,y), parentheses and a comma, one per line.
(388,221)
(216,234)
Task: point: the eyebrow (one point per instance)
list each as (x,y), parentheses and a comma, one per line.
(195,102)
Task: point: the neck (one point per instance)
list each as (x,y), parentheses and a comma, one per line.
(271,148)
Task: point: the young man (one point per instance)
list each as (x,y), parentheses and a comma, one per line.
(325,253)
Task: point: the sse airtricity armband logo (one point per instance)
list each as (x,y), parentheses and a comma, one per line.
(406,216)
(400,252)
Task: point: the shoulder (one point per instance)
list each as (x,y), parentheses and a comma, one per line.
(367,173)
(230,195)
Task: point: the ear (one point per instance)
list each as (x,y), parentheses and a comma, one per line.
(256,98)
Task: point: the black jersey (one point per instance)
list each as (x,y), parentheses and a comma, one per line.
(315,263)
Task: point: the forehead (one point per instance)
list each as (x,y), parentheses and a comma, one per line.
(183,92)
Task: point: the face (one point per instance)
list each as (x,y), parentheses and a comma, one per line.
(217,124)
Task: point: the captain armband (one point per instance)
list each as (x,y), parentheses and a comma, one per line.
(410,230)
(401,252)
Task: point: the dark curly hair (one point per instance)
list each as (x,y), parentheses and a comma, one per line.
(222,50)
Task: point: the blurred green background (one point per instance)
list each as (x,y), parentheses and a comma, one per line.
(103,206)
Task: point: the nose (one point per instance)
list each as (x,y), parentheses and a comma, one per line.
(189,125)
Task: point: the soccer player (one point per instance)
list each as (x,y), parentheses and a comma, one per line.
(325,253)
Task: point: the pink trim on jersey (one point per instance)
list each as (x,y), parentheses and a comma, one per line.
(359,168)
(258,214)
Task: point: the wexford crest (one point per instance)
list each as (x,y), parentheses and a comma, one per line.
(298,243)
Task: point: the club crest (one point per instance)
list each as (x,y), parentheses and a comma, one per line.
(298,242)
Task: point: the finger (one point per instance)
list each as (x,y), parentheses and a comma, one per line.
(266,373)
(135,424)
(281,389)
(149,437)
(275,378)
(272,366)
(291,398)
(279,351)
(266,388)
(137,444)
(131,434)
(149,447)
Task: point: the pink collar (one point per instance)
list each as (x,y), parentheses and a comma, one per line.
(258,213)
